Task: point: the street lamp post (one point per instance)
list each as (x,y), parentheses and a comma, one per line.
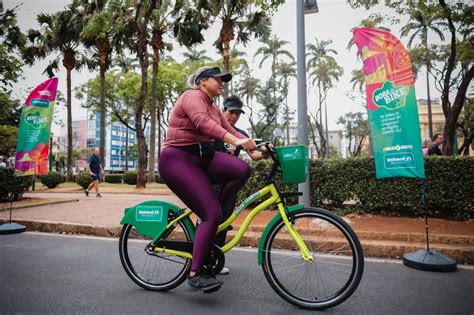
(310,6)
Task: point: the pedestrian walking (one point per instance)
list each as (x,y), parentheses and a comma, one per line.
(94,167)
(437,142)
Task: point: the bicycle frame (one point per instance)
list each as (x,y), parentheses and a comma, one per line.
(274,198)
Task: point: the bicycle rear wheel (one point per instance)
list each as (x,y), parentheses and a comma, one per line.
(151,270)
(336,269)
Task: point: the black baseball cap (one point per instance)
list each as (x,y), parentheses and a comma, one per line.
(231,104)
(214,72)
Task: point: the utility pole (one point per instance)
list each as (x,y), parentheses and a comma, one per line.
(310,6)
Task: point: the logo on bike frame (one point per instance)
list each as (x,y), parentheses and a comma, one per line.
(246,202)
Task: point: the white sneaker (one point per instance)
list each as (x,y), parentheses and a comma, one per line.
(224,271)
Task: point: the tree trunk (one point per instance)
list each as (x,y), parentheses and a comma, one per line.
(158,116)
(226,58)
(103,47)
(102,114)
(142,54)
(226,35)
(151,162)
(69,176)
(454,111)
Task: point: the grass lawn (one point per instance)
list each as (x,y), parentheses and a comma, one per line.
(120,187)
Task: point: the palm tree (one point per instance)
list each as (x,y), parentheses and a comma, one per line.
(286,71)
(164,20)
(196,55)
(324,70)
(358,80)
(323,75)
(156,18)
(60,33)
(421,22)
(274,49)
(98,33)
(12,41)
(247,87)
(247,17)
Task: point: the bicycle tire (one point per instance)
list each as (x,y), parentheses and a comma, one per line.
(335,230)
(145,280)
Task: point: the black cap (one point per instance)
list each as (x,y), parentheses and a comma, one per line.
(214,72)
(233,105)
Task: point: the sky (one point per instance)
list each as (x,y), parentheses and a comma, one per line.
(333,22)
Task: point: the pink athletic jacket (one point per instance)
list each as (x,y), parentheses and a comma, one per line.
(196,119)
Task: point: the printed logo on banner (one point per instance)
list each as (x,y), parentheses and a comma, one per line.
(391,97)
(39,102)
(399,160)
(36,121)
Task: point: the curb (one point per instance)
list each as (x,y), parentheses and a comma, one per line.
(40,204)
(373,243)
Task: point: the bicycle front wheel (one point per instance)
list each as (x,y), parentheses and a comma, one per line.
(337,266)
(151,270)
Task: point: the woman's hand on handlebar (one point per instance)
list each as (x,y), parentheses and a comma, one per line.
(247,144)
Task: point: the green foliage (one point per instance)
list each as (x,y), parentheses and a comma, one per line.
(11,184)
(12,40)
(52,179)
(114,178)
(83,179)
(130,177)
(356,130)
(8,139)
(334,182)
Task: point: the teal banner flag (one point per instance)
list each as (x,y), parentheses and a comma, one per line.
(32,149)
(391,103)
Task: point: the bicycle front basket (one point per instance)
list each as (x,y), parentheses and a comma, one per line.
(294,163)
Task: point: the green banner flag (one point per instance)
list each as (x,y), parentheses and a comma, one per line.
(35,127)
(391,103)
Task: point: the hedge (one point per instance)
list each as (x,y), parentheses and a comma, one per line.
(113,178)
(334,182)
(130,177)
(52,179)
(11,184)
(83,179)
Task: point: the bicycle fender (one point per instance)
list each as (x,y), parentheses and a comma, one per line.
(150,218)
(269,227)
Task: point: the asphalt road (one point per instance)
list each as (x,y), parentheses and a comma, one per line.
(47,273)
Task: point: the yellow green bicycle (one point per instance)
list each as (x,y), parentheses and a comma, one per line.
(310,257)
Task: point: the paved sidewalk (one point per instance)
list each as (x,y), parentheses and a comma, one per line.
(387,237)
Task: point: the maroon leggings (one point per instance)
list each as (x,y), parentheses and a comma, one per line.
(190,178)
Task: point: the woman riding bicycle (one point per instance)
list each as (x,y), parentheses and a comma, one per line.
(188,164)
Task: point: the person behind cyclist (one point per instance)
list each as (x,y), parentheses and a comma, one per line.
(232,109)
(188,163)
